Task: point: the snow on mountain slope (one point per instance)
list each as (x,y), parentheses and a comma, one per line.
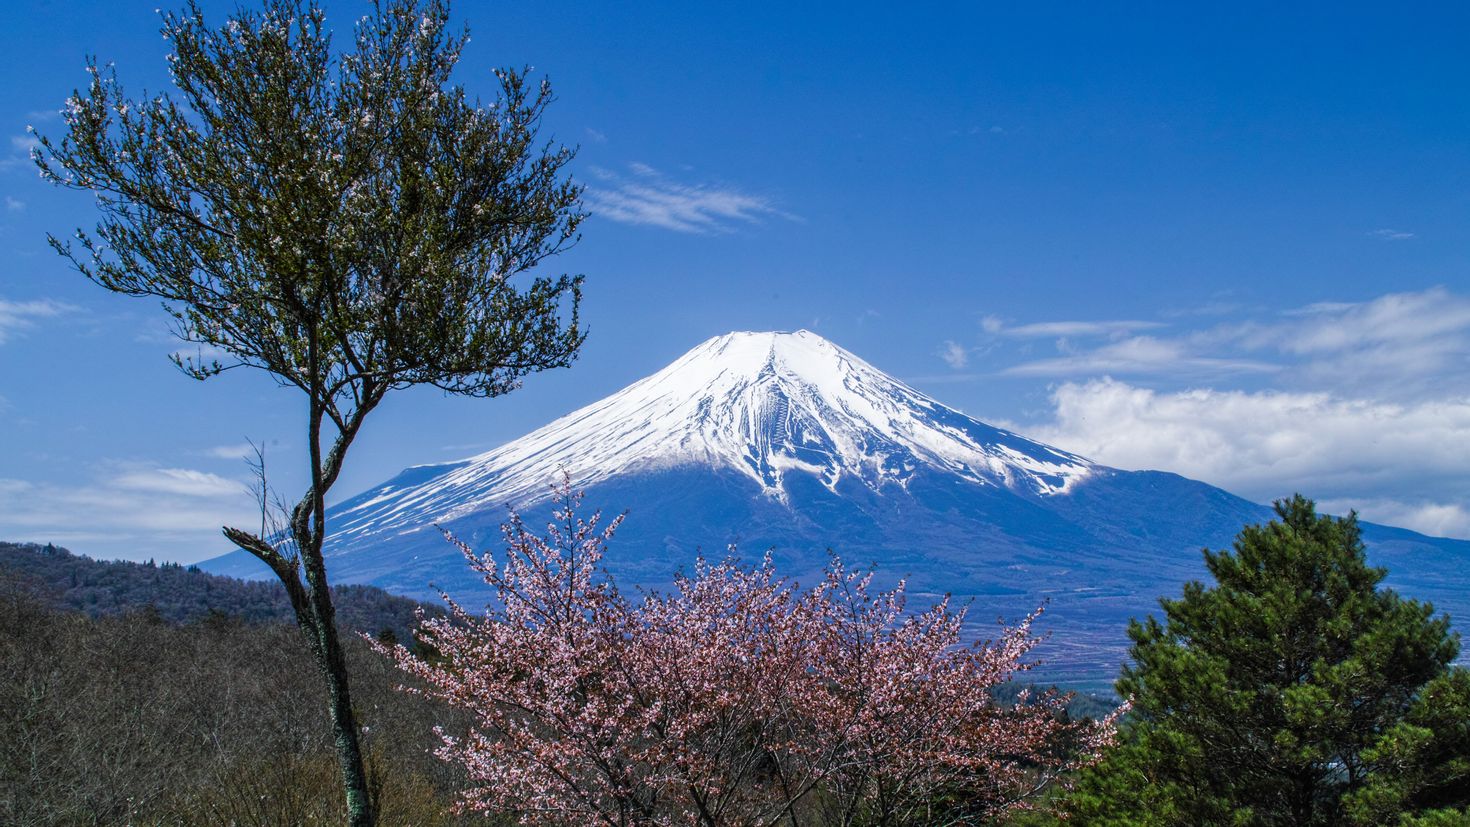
(786,442)
(765,405)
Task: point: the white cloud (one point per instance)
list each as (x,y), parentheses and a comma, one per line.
(20,151)
(1397,343)
(1043,330)
(1137,355)
(1402,344)
(1335,327)
(1437,519)
(13,204)
(1268,444)
(954,355)
(1389,234)
(242,450)
(19,317)
(130,511)
(178,481)
(655,200)
(1360,404)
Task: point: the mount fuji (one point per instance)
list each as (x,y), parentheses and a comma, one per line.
(786,442)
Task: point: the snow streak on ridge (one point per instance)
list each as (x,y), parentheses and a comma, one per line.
(767,405)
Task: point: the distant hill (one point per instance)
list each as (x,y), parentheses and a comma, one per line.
(180,594)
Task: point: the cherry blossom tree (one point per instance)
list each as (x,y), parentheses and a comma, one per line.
(735,698)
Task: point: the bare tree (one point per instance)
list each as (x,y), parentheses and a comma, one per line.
(349,221)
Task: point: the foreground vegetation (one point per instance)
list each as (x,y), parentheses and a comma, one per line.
(1293,689)
(128,719)
(126,716)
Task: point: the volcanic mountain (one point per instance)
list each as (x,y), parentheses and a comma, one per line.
(786,442)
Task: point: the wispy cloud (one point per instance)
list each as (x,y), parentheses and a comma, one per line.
(129,510)
(954,354)
(1138,355)
(1043,330)
(13,204)
(19,153)
(1214,307)
(1417,342)
(652,199)
(994,129)
(184,482)
(1401,343)
(16,318)
(1389,234)
(236,451)
(1333,327)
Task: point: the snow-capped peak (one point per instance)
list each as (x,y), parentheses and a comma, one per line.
(767,405)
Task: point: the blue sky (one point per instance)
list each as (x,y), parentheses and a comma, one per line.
(1231,243)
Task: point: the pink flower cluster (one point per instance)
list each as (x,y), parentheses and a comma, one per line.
(736,698)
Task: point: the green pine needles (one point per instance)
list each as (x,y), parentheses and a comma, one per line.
(1294,691)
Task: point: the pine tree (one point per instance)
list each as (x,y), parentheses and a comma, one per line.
(1422,763)
(350,222)
(1294,691)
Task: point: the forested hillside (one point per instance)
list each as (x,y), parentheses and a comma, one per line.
(179,594)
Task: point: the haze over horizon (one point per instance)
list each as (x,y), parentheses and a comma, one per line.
(1227,244)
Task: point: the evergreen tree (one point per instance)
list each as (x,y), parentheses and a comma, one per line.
(1293,691)
(351,223)
(1421,764)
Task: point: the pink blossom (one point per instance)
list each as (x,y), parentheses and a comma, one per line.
(735,698)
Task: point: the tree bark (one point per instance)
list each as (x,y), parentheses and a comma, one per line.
(344,726)
(316,617)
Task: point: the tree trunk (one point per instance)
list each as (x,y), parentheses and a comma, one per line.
(333,662)
(344,727)
(316,618)
(309,524)
(1304,800)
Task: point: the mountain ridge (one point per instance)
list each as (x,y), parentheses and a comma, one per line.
(764,404)
(786,441)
